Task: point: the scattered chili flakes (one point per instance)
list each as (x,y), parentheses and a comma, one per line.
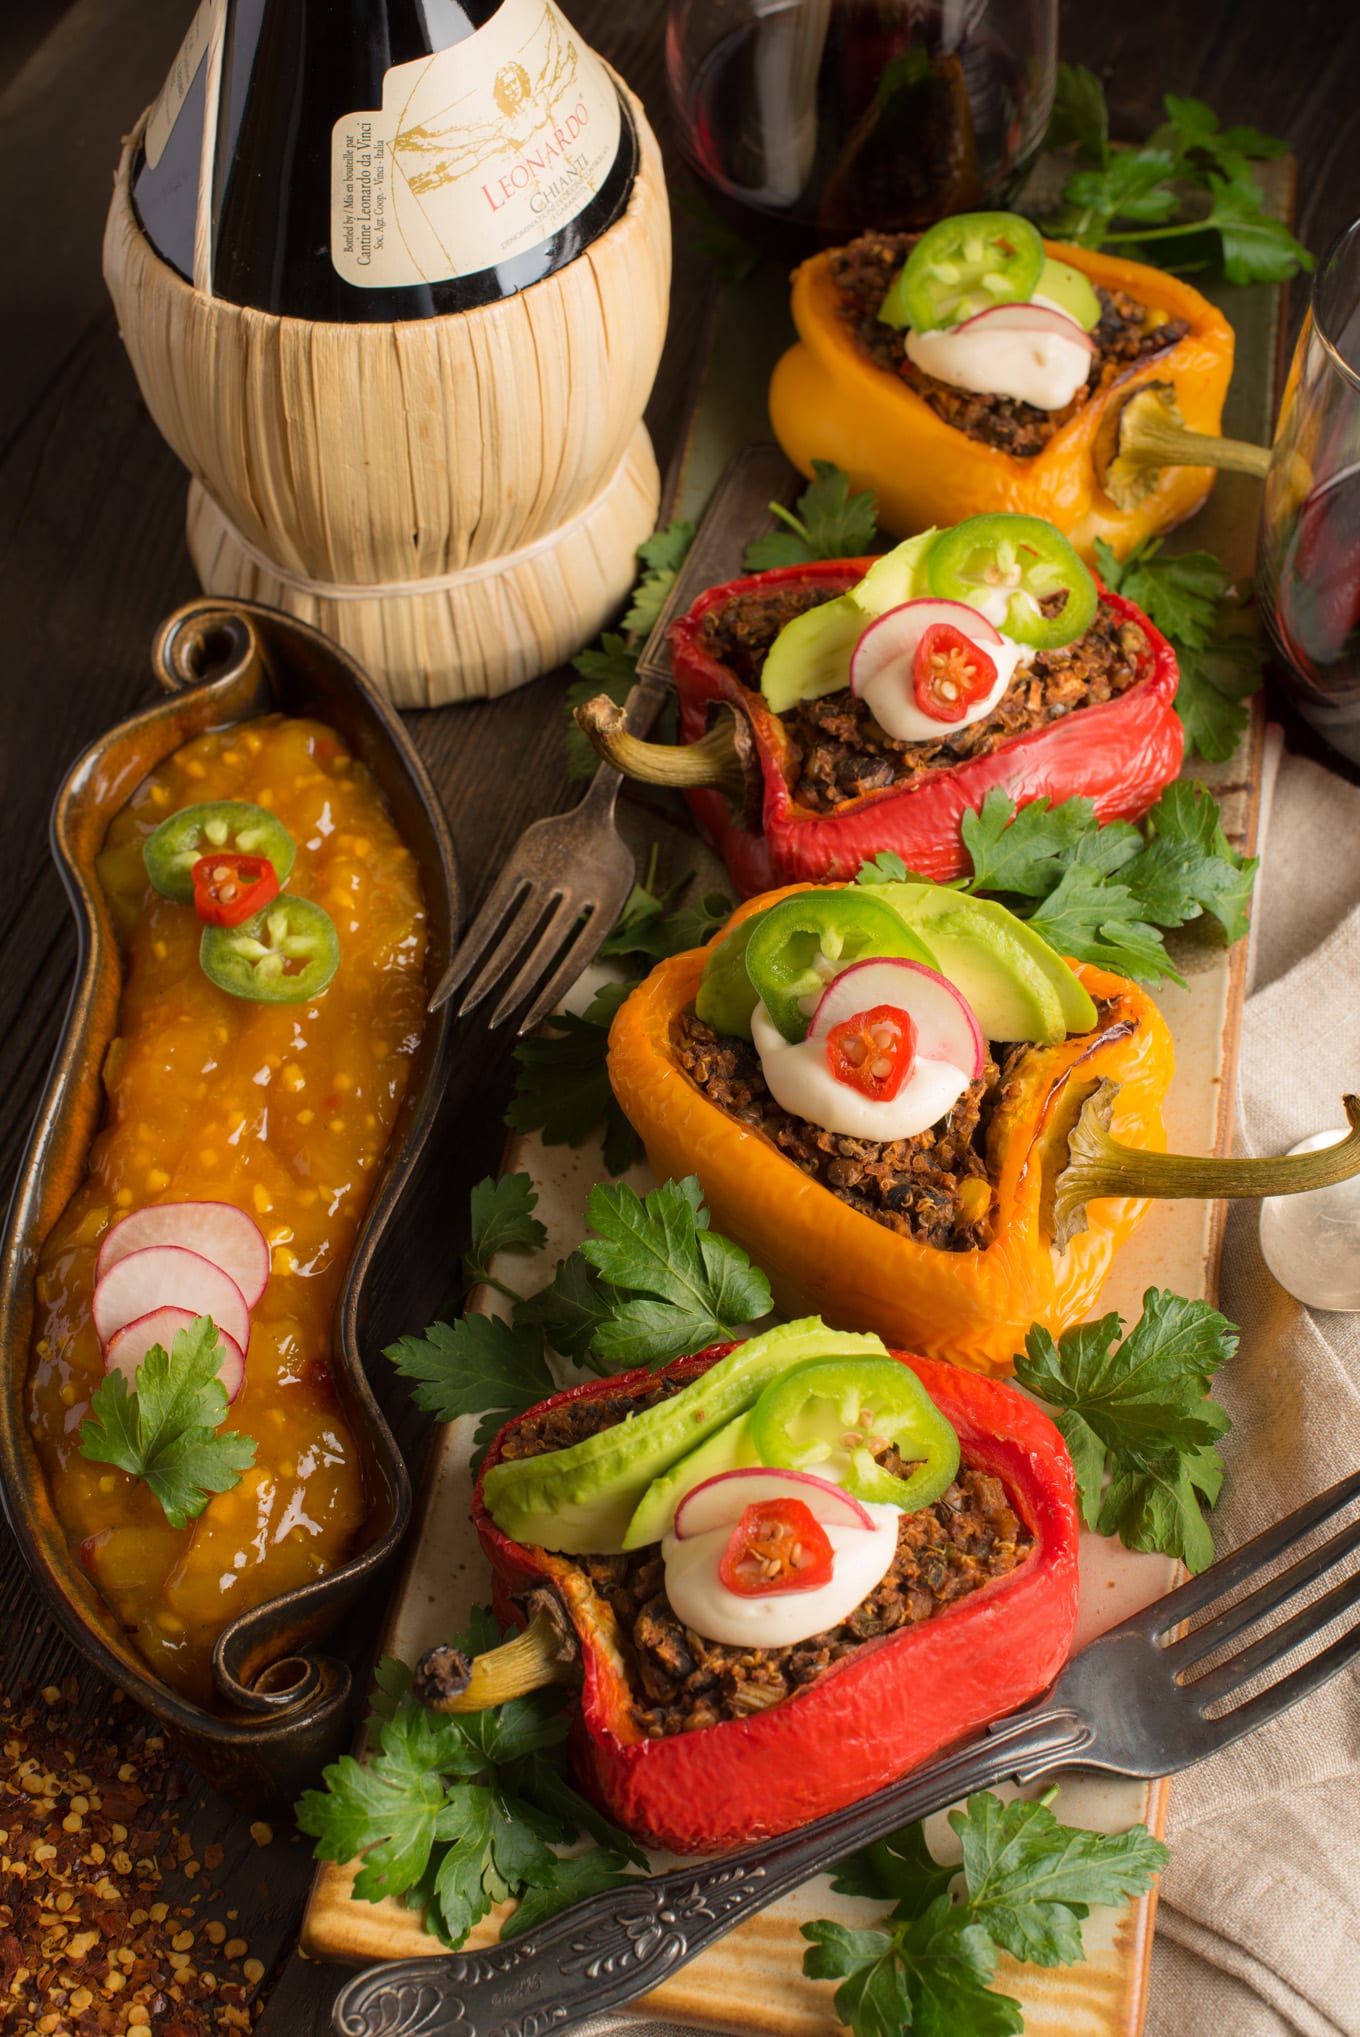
(88,1946)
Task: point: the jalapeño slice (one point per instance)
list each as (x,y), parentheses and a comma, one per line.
(962,266)
(837,1416)
(233,826)
(1006,566)
(288,952)
(801,943)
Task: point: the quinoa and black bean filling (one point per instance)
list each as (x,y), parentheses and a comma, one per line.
(933,1187)
(838,752)
(1128,331)
(681,1681)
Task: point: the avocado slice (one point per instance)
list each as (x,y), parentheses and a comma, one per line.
(583,1499)
(900,575)
(811,654)
(1019,987)
(1070,291)
(726,996)
(730,1449)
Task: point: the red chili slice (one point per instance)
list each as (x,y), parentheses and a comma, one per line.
(950,673)
(777,1545)
(230,888)
(873,1051)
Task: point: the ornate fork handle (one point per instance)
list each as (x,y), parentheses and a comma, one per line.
(605,1951)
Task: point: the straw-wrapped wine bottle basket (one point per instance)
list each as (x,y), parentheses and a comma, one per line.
(457,499)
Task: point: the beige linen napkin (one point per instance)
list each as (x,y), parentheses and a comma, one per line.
(1258,1929)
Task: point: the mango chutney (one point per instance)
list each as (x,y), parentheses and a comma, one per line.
(282,1109)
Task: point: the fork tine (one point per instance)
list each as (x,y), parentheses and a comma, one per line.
(505,894)
(1230,1571)
(514,933)
(1308,1677)
(1274,1646)
(579,956)
(1193,1647)
(565,911)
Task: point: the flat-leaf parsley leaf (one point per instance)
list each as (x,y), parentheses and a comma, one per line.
(1025,1886)
(829,523)
(1137,1413)
(455,1814)
(167,1431)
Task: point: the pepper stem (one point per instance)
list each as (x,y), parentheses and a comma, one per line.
(1099,1165)
(717,758)
(1150,434)
(545,1652)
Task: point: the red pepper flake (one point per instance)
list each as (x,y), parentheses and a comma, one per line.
(88,1945)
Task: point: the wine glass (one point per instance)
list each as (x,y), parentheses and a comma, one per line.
(1308,575)
(830,116)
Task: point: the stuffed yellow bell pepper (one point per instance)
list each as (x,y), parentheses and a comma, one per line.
(866,390)
(913,1114)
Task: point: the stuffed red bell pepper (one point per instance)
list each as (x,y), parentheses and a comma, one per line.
(834,710)
(785,1572)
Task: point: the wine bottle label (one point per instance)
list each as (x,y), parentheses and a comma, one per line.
(477,153)
(175,90)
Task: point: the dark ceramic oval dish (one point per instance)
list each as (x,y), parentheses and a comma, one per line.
(283,1706)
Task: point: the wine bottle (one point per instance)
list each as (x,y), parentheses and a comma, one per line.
(381,160)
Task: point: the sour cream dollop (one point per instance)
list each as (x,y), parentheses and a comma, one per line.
(890,700)
(799,1078)
(1043,368)
(699,1598)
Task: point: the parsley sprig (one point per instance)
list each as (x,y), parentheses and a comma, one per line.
(611,667)
(1193,178)
(562,1086)
(1104,891)
(650,927)
(455,1814)
(652,1281)
(168,1431)
(1186,595)
(562,1081)
(1026,1885)
(829,523)
(1137,1420)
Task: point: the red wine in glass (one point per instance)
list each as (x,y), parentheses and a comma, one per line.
(825,117)
(1308,570)
(1312,605)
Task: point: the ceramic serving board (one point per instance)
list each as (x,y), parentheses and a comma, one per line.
(751,1983)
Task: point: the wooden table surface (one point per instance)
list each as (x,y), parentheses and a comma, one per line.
(92,554)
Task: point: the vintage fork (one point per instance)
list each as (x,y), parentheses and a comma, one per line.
(1121,1705)
(576,863)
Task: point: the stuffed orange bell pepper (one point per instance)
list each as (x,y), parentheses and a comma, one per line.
(954,1144)
(933,450)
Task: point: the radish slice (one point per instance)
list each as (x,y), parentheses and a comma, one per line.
(127,1347)
(166,1276)
(1031,318)
(891,639)
(720,1502)
(215,1230)
(946,1029)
